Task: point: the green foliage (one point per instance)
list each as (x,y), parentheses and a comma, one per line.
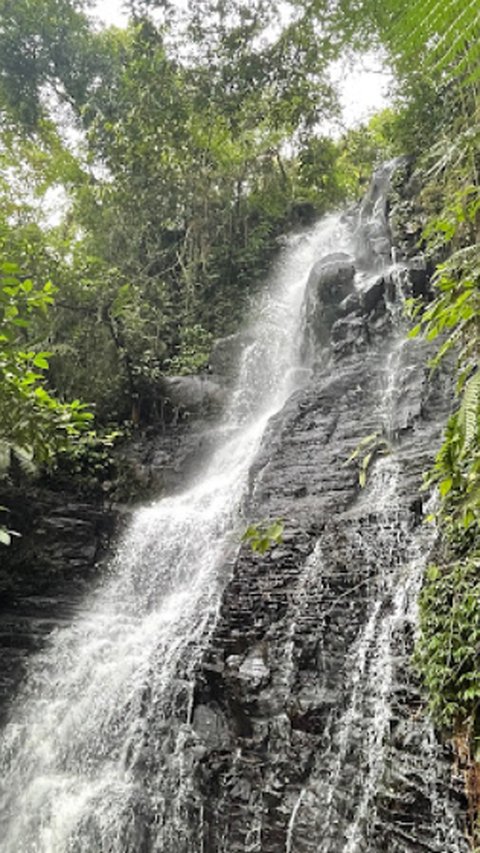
(198,151)
(453,317)
(264,536)
(89,461)
(34,425)
(366,451)
(433,47)
(447,652)
(442,36)
(32,421)
(447,649)
(44,45)
(426,39)
(193,352)
(364,148)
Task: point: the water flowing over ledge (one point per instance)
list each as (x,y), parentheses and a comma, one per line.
(70,755)
(208,700)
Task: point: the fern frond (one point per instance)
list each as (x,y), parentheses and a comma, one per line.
(444,37)
(5,456)
(24,457)
(468,413)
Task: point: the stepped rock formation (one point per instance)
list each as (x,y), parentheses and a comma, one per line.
(314,731)
(212,700)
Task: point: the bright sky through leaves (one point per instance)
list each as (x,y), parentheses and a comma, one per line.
(363,84)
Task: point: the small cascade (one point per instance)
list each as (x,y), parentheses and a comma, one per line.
(393,559)
(391,554)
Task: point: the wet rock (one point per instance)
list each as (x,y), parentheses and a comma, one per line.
(211,727)
(329,284)
(419,277)
(373,236)
(225,355)
(352,304)
(254,668)
(331,280)
(303,630)
(373,297)
(348,334)
(193,395)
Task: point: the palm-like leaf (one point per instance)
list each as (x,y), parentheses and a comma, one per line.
(441,37)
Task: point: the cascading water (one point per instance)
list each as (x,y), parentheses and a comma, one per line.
(207,700)
(400,555)
(76,770)
(317,740)
(392,556)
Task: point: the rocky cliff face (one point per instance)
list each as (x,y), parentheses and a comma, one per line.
(314,731)
(309,720)
(305,729)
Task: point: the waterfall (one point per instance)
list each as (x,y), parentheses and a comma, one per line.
(206,699)
(76,772)
(309,721)
(341,798)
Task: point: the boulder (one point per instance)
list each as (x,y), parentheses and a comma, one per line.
(331,278)
(329,284)
(373,297)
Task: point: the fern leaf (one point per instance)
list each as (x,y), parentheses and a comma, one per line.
(24,457)
(5,456)
(468,414)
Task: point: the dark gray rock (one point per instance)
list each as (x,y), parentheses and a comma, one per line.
(285,661)
(352,304)
(373,297)
(419,276)
(331,279)
(211,727)
(349,334)
(329,284)
(45,572)
(305,699)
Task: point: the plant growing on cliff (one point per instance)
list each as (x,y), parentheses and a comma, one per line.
(447,652)
(449,640)
(367,450)
(263,536)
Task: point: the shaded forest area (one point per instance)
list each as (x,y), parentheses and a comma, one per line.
(147,176)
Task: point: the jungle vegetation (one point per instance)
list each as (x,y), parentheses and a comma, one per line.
(146,175)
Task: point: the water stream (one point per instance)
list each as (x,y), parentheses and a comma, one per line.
(72,757)
(397,556)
